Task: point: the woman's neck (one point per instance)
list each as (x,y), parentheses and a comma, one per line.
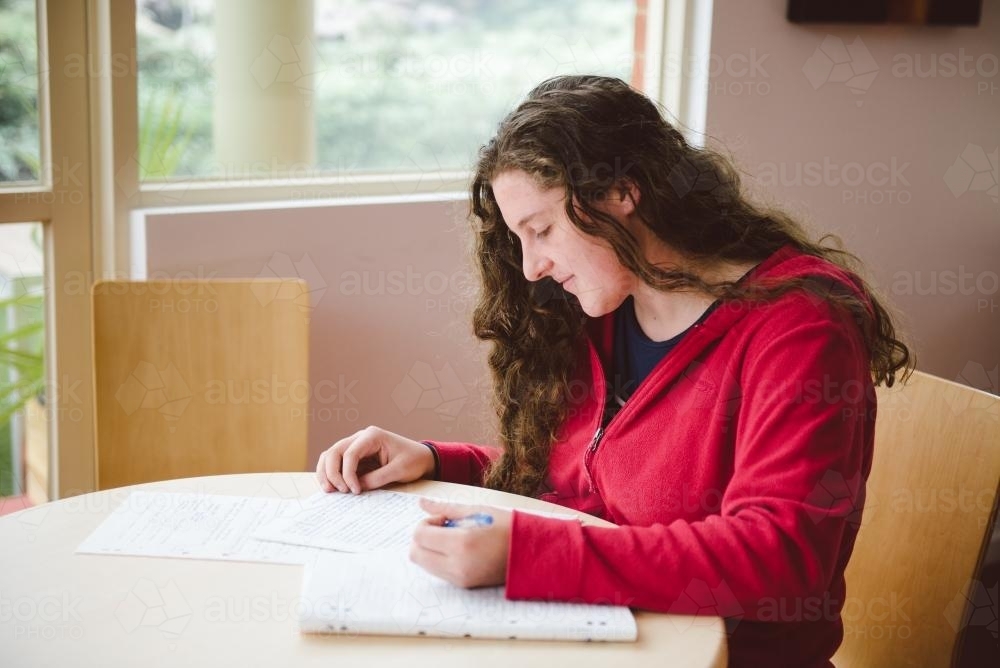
(664,315)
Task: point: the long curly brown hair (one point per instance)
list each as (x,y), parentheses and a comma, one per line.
(586,135)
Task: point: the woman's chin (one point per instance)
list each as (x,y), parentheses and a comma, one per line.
(593,305)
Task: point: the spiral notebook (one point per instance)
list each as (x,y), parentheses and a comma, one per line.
(384,593)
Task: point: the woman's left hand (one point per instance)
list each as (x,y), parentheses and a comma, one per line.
(467,557)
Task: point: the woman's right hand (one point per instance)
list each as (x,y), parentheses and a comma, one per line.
(379,456)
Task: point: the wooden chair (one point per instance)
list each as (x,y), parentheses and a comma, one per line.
(926,525)
(199,378)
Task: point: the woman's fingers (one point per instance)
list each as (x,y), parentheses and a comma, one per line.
(332,462)
(434,563)
(451,510)
(366,445)
(369,459)
(432,535)
(349,463)
(427,536)
(324,482)
(381,476)
(435,507)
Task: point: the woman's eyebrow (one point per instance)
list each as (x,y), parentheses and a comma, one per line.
(526,219)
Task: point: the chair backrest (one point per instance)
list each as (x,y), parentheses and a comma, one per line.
(199,378)
(926,525)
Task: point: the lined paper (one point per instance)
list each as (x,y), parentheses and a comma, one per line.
(374,520)
(195,526)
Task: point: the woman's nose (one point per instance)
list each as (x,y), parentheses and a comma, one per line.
(535,266)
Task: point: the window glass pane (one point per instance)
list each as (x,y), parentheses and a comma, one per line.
(19,147)
(23,417)
(269,88)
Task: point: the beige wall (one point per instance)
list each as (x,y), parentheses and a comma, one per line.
(931,245)
(390,335)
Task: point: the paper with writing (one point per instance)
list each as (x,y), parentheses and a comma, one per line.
(195,526)
(373,520)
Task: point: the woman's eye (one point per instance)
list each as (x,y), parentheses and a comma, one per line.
(544,233)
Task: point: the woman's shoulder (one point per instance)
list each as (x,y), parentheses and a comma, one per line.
(817,305)
(805,285)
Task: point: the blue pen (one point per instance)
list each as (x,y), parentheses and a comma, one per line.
(473,520)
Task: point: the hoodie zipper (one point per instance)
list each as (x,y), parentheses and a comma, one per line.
(589,457)
(595,442)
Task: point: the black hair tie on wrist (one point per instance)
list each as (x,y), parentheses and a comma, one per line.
(437,459)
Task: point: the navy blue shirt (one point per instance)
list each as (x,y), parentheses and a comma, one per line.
(635,355)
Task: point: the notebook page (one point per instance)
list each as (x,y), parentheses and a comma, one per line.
(194,526)
(384,593)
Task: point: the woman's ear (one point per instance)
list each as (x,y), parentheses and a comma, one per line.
(623,197)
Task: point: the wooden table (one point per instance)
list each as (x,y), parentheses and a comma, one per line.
(58,608)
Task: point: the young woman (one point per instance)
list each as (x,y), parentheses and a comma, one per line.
(666,356)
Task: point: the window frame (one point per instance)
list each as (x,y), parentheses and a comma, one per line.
(63,207)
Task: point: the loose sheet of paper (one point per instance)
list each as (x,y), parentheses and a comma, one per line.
(195,526)
(384,593)
(377,519)
(374,520)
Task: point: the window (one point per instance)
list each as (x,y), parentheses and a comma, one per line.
(230,90)
(23,440)
(20,152)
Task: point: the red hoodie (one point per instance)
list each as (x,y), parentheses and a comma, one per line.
(735,473)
